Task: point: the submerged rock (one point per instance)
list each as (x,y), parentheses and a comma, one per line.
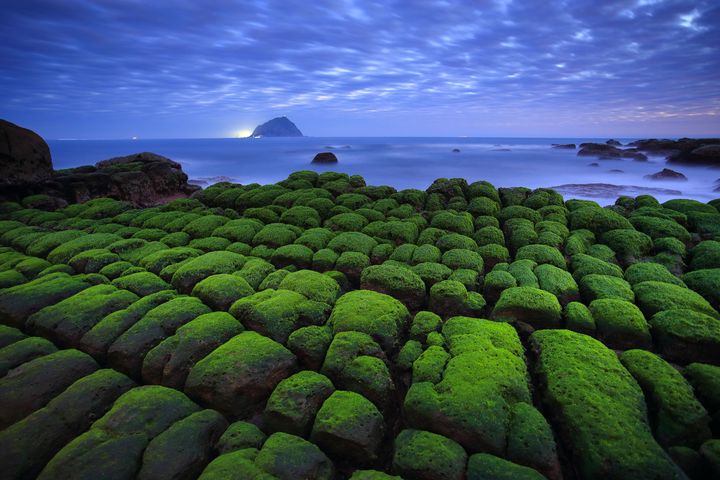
(24,156)
(325,158)
(705,155)
(568,146)
(456,150)
(614,143)
(277,127)
(609,152)
(667,174)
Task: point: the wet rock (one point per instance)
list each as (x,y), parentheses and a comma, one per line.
(667,174)
(456,150)
(609,152)
(705,155)
(565,146)
(593,164)
(614,143)
(325,158)
(616,170)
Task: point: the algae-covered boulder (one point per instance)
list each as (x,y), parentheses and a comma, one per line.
(287,457)
(22,351)
(676,416)
(129,349)
(683,335)
(620,324)
(239,375)
(27,446)
(421,455)
(595,286)
(114,446)
(33,384)
(199,268)
(19,302)
(295,401)
(184,449)
(399,282)
(220,291)
(373,313)
(653,297)
(450,297)
(68,321)
(557,281)
(536,307)
(309,345)
(349,426)
(171,360)
(240,435)
(141,283)
(591,397)
(277,313)
(483,466)
(312,285)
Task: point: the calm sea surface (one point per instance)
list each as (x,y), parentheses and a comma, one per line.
(402,162)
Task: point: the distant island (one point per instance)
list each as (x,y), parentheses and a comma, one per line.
(277,127)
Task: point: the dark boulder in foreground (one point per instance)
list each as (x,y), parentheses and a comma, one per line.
(568,146)
(277,127)
(667,174)
(325,158)
(24,156)
(609,152)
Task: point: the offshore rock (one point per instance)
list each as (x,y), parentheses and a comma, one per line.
(667,174)
(277,127)
(325,158)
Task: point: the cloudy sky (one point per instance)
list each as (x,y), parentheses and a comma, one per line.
(213,68)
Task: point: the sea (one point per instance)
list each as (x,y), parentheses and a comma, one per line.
(410,162)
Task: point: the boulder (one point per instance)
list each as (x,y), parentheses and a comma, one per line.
(324,158)
(566,146)
(24,156)
(704,155)
(667,174)
(609,152)
(614,143)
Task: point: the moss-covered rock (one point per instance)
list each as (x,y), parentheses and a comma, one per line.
(577,317)
(496,282)
(127,352)
(113,447)
(309,344)
(349,426)
(238,376)
(595,286)
(450,297)
(295,401)
(683,335)
(29,444)
(23,350)
(240,435)
(184,449)
(288,457)
(531,442)
(222,290)
(650,271)
(67,321)
(629,245)
(557,281)
(706,282)
(376,314)
(591,397)
(542,254)
(199,268)
(398,282)
(33,384)
(421,455)
(656,227)
(653,297)
(705,255)
(170,361)
(597,220)
(483,466)
(533,306)
(676,416)
(312,285)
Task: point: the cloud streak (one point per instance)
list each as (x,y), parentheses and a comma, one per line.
(112,68)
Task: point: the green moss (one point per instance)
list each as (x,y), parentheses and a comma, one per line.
(241,230)
(309,344)
(199,268)
(531,443)
(455,240)
(352,242)
(10,278)
(705,381)
(485,466)
(649,271)
(629,245)
(275,235)
(222,290)
(349,426)
(23,350)
(68,249)
(577,317)
(541,254)
(520,233)
(685,335)
(42,246)
(461,223)
(557,281)
(493,254)
(597,220)
(425,455)
(297,255)
(518,211)
(686,206)
(591,398)
(430,365)
(240,435)
(296,400)
(463,258)
(408,354)
(449,298)
(495,283)
(489,235)
(583,264)
(352,264)
(483,206)
(710,454)
(286,456)
(676,415)
(272,280)
(653,297)
(324,259)
(536,307)
(705,255)
(301,216)
(401,283)
(315,238)
(277,313)
(240,374)
(313,285)
(706,282)
(660,228)
(620,324)
(594,286)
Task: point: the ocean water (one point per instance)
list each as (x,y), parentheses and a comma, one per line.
(405,162)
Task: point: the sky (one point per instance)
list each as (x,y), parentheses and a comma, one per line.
(217,68)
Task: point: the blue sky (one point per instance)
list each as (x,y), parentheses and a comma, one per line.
(212,68)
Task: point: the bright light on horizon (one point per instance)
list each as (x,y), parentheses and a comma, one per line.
(243,133)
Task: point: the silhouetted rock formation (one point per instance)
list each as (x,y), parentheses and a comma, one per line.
(614,143)
(609,152)
(667,174)
(689,151)
(277,127)
(24,156)
(325,158)
(568,146)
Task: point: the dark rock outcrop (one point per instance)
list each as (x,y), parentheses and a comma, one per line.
(614,143)
(667,174)
(593,164)
(277,127)
(689,151)
(609,152)
(616,170)
(325,158)
(24,156)
(456,150)
(568,146)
